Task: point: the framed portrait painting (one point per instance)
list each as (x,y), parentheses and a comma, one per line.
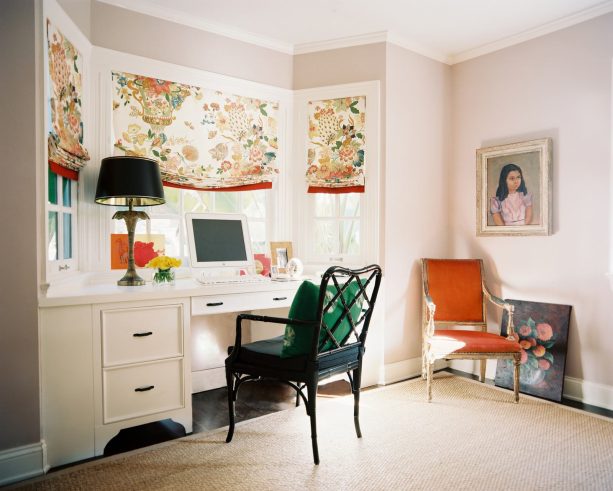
(514,189)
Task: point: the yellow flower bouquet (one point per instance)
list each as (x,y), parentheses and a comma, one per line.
(164,273)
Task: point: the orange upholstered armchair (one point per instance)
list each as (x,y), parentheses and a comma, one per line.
(454,295)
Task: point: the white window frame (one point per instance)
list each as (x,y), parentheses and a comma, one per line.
(304,214)
(57,269)
(154,214)
(62,264)
(278,206)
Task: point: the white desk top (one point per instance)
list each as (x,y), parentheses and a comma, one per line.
(85,291)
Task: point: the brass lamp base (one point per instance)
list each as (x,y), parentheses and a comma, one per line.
(131,278)
(130,216)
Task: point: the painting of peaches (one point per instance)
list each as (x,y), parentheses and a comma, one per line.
(542,332)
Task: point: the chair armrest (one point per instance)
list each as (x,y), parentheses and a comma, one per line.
(499,302)
(261,318)
(430,305)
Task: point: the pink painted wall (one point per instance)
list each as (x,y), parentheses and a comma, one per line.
(416,190)
(19,388)
(555,86)
(415,99)
(130,32)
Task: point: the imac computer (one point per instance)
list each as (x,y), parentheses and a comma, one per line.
(219,247)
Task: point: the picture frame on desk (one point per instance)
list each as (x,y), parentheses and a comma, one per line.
(281,253)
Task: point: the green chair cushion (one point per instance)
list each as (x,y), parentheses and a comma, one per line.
(297,339)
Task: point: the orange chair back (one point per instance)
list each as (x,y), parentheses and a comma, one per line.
(455,287)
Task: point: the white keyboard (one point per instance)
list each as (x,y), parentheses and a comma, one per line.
(233,280)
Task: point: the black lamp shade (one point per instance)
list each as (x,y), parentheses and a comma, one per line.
(125,180)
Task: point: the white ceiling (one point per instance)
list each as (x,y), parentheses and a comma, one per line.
(446,30)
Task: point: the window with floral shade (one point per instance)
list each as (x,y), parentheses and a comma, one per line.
(202,138)
(336,145)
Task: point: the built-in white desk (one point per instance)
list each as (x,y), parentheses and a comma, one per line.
(115,357)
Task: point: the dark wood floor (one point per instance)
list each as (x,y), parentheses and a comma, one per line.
(210,411)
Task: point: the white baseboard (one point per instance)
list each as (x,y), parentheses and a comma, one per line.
(19,463)
(588,392)
(402,370)
(576,389)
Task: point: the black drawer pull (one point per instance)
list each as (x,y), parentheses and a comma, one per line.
(280,298)
(214,304)
(142,334)
(144,389)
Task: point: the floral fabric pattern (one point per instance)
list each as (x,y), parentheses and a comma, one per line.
(335,150)
(65,73)
(202,139)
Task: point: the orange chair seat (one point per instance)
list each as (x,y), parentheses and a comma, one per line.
(462,341)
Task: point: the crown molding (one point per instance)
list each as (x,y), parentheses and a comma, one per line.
(393,38)
(143,7)
(346,42)
(564,22)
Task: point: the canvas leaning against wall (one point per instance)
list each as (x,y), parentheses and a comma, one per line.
(514,189)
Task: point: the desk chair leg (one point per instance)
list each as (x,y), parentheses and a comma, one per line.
(312,396)
(231,411)
(516,365)
(429,365)
(300,386)
(482,371)
(424,361)
(355,388)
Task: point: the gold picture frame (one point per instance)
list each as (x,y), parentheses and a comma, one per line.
(281,253)
(531,212)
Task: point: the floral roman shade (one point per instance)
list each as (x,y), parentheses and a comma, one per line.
(203,139)
(67,155)
(335,149)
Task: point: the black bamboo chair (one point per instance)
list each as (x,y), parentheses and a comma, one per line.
(335,329)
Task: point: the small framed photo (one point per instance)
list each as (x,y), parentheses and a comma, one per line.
(514,189)
(281,253)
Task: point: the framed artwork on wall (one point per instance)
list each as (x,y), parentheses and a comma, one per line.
(281,253)
(542,332)
(514,187)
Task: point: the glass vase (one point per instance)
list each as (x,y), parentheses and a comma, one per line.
(164,277)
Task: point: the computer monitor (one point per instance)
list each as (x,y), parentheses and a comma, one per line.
(218,240)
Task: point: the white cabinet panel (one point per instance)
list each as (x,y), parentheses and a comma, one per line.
(139,390)
(142,334)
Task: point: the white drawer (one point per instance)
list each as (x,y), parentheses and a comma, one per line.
(139,390)
(217,304)
(141,334)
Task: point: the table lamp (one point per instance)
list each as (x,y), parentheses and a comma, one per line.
(130,181)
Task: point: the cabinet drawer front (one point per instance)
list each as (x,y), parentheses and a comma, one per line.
(139,390)
(217,304)
(141,334)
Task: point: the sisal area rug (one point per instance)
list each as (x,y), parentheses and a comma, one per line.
(472,436)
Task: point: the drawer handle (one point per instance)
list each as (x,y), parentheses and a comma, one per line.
(142,334)
(280,298)
(214,304)
(144,389)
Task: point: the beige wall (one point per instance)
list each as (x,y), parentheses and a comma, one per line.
(555,86)
(19,401)
(131,32)
(416,190)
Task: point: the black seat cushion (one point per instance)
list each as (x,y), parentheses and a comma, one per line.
(267,353)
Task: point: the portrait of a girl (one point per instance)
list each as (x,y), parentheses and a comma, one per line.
(512,204)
